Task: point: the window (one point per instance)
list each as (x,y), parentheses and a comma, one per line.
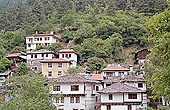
(66,55)
(45,38)
(75,109)
(59,73)
(46,55)
(32,56)
(94,87)
(56,88)
(50,65)
(140,85)
(49,74)
(77,99)
(59,65)
(62,99)
(96,99)
(129,107)
(132,96)
(63,55)
(75,88)
(41,39)
(108,107)
(69,55)
(97,88)
(48,38)
(108,85)
(71,99)
(110,97)
(35,68)
(37,39)
(42,55)
(29,45)
(35,55)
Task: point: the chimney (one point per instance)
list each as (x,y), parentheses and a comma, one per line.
(36,32)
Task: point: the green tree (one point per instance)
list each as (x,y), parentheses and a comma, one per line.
(74,70)
(160,37)
(28,93)
(22,69)
(95,64)
(5,64)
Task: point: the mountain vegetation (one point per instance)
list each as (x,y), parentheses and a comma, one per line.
(100,30)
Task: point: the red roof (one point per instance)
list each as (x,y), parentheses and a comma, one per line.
(67,51)
(15,54)
(55,60)
(115,68)
(96,77)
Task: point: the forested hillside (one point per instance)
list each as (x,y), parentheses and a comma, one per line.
(97,29)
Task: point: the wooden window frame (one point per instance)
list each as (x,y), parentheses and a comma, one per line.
(77,99)
(110,96)
(132,96)
(74,87)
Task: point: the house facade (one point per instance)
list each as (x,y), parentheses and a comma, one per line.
(114,70)
(34,58)
(120,96)
(77,93)
(71,55)
(42,38)
(53,68)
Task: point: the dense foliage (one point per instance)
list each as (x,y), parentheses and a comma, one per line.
(28,92)
(159,26)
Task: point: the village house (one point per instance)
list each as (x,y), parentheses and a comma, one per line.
(114,70)
(42,38)
(141,55)
(34,58)
(53,68)
(78,93)
(17,57)
(120,96)
(69,54)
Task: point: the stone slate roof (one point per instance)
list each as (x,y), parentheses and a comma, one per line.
(73,78)
(120,88)
(131,78)
(115,68)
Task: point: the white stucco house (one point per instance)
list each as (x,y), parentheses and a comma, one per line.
(34,58)
(120,96)
(78,93)
(114,70)
(42,38)
(69,54)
